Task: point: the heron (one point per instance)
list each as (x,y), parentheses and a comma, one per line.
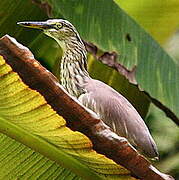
(109,105)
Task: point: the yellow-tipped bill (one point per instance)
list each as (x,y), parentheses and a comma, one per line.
(36,25)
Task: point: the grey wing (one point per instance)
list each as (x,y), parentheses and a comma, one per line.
(116,111)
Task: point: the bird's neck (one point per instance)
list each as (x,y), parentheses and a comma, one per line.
(74,67)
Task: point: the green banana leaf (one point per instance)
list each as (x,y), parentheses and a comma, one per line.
(111,29)
(36,41)
(20,162)
(142,52)
(154,16)
(48,53)
(42,45)
(26,117)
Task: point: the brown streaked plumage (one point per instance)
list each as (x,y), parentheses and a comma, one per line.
(110,106)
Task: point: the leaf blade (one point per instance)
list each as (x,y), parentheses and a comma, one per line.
(104,140)
(47,133)
(108,28)
(22,164)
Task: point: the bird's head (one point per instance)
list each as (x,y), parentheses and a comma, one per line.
(61,30)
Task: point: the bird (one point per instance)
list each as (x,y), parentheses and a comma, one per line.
(109,105)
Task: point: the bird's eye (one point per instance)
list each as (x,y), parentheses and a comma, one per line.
(59,25)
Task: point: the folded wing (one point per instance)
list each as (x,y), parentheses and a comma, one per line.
(119,114)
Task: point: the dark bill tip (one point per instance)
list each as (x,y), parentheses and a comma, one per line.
(36,25)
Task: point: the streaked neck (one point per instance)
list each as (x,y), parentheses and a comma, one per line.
(74,66)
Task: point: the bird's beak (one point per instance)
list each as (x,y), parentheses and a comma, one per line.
(36,25)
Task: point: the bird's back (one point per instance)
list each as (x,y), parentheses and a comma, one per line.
(119,114)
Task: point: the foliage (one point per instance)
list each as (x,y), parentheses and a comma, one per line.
(154,16)
(125,39)
(26,116)
(24,163)
(156,72)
